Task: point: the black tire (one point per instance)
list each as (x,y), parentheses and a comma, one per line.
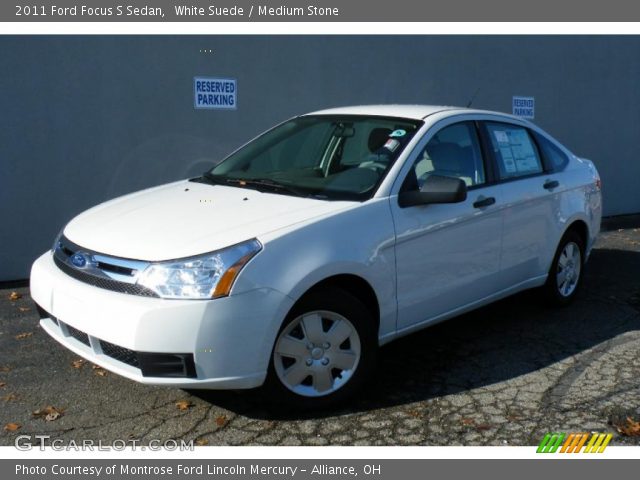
(336,302)
(554,294)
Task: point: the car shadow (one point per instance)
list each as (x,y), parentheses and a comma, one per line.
(502,341)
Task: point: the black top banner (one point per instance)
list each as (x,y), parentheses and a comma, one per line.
(319,11)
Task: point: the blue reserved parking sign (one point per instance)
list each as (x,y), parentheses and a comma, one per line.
(523,107)
(215,93)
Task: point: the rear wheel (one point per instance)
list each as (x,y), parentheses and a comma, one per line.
(324,351)
(565,275)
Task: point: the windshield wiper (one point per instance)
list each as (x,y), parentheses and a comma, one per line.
(258,183)
(269,184)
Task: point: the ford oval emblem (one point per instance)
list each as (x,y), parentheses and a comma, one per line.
(78,260)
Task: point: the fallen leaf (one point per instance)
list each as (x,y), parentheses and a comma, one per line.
(12,427)
(483,427)
(24,309)
(10,397)
(98,370)
(630,428)
(49,413)
(221,420)
(201,442)
(468,421)
(5,369)
(22,336)
(184,405)
(15,296)
(78,363)
(52,416)
(3,384)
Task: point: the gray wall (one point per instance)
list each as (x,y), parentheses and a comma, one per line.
(84,119)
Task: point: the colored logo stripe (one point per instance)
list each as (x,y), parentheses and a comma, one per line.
(573,442)
(598,443)
(550,443)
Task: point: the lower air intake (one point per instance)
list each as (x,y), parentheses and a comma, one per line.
(78,335)
(119,353)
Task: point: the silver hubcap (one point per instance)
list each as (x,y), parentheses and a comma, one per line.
(317,353)
(569,266)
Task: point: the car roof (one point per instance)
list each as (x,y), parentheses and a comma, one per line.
(416,112)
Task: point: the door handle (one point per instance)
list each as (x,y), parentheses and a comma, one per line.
(551,184)
(484,202)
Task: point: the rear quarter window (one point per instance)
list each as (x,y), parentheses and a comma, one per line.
(555,159)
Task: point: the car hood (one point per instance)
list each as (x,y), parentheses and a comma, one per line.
(185,218)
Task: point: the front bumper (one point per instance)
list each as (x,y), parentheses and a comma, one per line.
(228,339)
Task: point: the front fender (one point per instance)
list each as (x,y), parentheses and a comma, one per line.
(357,241)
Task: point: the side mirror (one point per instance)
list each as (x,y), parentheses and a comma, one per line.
(435,189)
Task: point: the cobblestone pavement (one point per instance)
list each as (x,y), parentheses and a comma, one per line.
(505,374)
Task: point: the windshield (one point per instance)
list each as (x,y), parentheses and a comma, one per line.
(329,157)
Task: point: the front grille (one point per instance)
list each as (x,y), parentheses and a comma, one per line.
(106,283)
(115,269)
(119,353)
(78,335)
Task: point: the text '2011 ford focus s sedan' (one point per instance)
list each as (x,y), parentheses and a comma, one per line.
(291,261)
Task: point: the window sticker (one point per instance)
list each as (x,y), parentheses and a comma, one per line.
(507,160)
(391,145)
(517,152)
(523,152)
(501,136)
(398,133)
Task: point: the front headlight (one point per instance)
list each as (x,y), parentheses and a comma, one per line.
(202,277)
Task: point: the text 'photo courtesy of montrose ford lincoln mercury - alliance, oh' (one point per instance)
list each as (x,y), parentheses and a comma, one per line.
(291,261)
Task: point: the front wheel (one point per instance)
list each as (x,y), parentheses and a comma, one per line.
(565,275)
(324,351)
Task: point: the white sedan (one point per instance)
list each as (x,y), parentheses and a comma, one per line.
(290,262)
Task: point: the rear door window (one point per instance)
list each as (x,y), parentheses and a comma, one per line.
(515,151)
